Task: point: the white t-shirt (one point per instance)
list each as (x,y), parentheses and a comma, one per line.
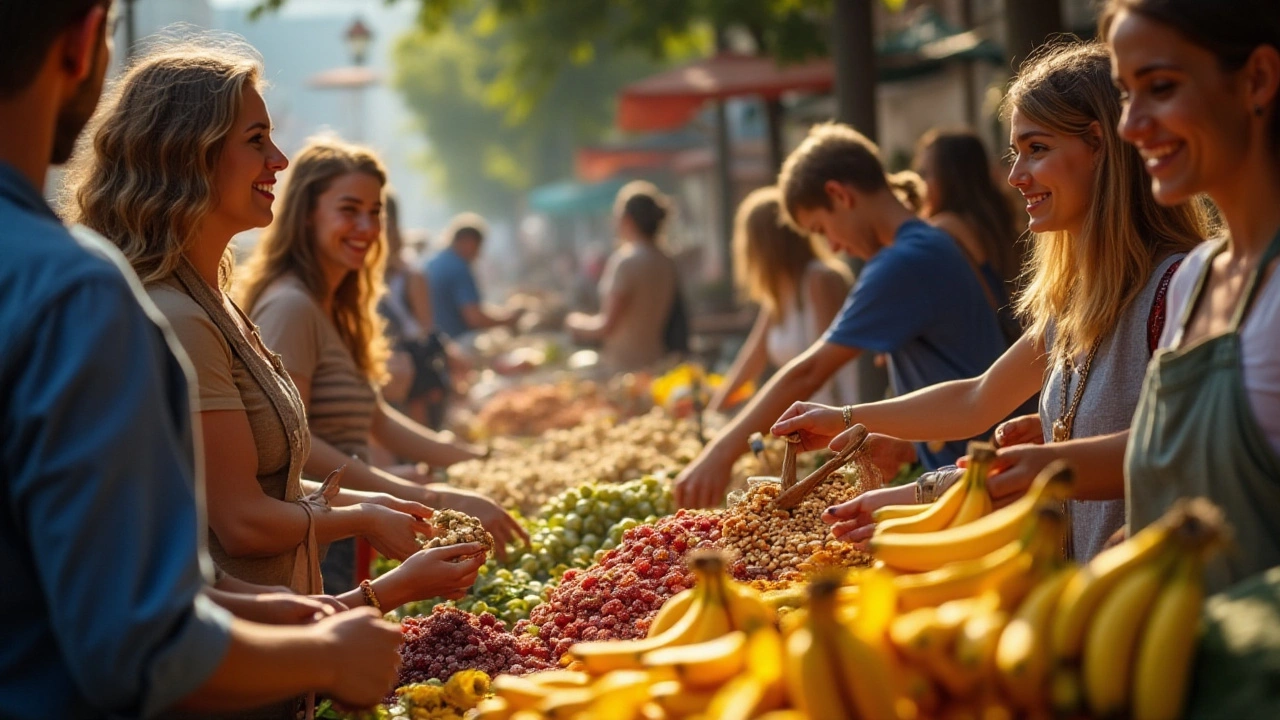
(1260,338)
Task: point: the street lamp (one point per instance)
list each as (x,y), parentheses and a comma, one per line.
(358,38)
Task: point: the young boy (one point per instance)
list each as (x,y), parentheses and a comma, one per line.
(917,300)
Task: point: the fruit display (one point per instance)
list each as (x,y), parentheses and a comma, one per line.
(618,597)
(433,700)
(532,410)
(524,476)
(450,640)
(456,528)
(774,544)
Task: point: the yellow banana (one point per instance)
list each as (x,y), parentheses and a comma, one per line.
(921,552)
(747,609)
(893,512)
(976,644)
(1094,581)
(493,708)
(915,634)
(706,664)
(1022,655)
(706,618)
(671,611)
(812,680)
(560,678)
(933,516)
(1163,663)
(745,697)
(977,501)
(788,714)
(790,597)
(1106,666)
(521,693)
(619,694)
(920,690)
(564,704)
(678,701)
(1066,694)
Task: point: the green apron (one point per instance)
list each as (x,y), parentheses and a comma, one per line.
(1194,435)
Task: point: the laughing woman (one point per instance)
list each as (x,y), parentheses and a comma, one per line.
(313,285)
(1201,87)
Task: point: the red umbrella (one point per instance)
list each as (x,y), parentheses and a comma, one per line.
(671,99)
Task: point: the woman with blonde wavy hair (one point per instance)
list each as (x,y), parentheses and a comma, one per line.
(1104,251)
(181,160)
(312,284)
(799,286)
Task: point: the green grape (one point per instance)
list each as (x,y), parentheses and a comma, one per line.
(591,540)
(573,521)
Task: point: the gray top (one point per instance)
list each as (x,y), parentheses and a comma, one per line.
(1110,397)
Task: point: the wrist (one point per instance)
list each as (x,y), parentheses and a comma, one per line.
(389,591)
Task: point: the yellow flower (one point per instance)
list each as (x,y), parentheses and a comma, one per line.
(465,689)
(424,696)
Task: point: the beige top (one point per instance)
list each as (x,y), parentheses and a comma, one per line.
(231,374)
(342,399)
(646,278)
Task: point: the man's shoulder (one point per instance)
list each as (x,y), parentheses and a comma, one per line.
(919,247)
(44,262)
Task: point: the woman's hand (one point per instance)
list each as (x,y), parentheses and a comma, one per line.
(504,528)
(1014,469)
(365,651)
(290,609)
(1020,430)
(446,572)
(391,502)
(851,521)
(392,533)
(817,424)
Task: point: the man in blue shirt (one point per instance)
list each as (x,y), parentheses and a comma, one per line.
(455,298)
(102,612)
(917,300)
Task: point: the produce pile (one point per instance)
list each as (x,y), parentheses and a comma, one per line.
(599,450)
(777,545)
(533,410)
(988,621)
(450,640)
(457,528)
(618,597)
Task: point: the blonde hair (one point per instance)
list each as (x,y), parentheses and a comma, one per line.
(289,247)
(1084,284)
(769,256)
(148,183)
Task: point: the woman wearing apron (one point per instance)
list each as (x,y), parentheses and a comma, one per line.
(1200,84)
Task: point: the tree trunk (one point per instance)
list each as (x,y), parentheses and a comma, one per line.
(1028,24)
(773,119)
(854,53)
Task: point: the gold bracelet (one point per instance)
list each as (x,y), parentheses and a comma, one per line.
(847,412)
(369,595)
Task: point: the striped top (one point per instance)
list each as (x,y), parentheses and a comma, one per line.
(293,324)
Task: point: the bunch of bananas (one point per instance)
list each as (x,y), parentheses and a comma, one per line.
(712,649)
(1122,629)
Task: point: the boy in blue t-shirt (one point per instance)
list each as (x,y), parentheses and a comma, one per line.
(917,300)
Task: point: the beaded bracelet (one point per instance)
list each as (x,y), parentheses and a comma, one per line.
(369,595)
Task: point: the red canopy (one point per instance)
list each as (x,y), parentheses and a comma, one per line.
(671,99)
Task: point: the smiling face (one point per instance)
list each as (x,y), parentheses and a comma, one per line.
(347,222)
(246,171)
(844,224)
(1054,172)
(1189,118)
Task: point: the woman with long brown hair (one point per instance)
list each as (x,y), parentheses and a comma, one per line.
(312,285)
(799,286)
(182,160)
(1104,252)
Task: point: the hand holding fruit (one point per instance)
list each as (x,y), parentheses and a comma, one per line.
(852,521)
(504,528)
(392,533)
(446,572)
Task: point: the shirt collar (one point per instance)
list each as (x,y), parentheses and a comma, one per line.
(15,187)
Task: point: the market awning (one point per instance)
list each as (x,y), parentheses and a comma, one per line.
(573,198)
(671,99)
(643,152)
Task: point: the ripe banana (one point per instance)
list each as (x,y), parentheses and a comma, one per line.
(893,512)
(747,609)
(976,644)
(521,693)
(678,701)
(1022,655)
(921,552)
(812,681)
(962,503)
(865,671)
(1110,642)
(933,516)
(493,708)
(1085,590)
(706,664)
(1163,662)
(915,634)
(671,611)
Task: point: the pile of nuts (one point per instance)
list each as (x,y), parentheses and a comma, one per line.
(456,528)
(533,410)
(524,476)
(776,544)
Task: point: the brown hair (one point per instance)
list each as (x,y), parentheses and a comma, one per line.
(27,30)
(910,189)
(289,247)
(963,185)
(771,257)
(1084,284)
(645,205)
(1230,29)
(149,181)
(831,151)
(466,224)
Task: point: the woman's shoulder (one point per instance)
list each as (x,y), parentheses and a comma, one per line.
(195,329)
(286,296)
(172,300)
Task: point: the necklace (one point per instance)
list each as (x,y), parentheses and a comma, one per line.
(1062,427)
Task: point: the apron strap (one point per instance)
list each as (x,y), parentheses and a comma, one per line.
(1251,289)
(1194,299)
